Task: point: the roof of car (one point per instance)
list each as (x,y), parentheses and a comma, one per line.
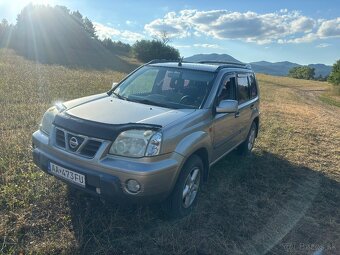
(208,66)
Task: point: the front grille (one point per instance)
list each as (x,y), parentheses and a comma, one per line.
(60,138)
(74,141)
(79,144)
(91,147)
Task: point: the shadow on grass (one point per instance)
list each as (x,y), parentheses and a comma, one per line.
(258,205)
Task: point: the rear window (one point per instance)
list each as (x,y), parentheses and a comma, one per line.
(253,88)
(242,89)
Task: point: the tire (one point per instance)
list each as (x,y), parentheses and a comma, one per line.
(246,147)
(189,181)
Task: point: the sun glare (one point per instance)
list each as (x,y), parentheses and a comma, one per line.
(36,2)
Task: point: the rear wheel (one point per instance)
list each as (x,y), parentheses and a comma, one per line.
(184,195)
(246,147)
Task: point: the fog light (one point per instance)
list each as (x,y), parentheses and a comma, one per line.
(133,186)
(98,190)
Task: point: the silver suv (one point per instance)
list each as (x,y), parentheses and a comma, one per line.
(155,135)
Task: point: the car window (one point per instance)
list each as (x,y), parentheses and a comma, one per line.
(228,90)
(253,89)
(143,83)
(242,89)
(167,86)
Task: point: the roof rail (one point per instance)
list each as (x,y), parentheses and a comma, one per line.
(155,61)
(224,64)
(220,64)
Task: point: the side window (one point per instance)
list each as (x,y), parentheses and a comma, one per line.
(253,89)
(228,90)
(242,89)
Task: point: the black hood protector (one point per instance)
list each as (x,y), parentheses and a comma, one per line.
(96,129)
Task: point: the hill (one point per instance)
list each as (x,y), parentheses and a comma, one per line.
(54,35)
(277,68)
(321,69)
(283,197)
(211,57)
(282,68)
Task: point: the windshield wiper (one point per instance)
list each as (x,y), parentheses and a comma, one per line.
(119,96)
(147,101)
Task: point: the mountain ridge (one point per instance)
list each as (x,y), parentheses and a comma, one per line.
(280,68)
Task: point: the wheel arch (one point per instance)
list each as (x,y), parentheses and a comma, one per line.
(202,153)
(257,122)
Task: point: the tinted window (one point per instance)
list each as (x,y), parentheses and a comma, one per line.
(228,89)
(242,89)
(253,89)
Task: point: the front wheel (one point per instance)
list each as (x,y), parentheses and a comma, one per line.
(246,147)
(184,195)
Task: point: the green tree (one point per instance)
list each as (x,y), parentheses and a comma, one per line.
(146,50)
(89,28)
(302,72)
(63,9)
(334,76)
(78,17)
(5,33)
(116,47)
(3,28)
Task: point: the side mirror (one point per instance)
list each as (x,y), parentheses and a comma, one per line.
(227,106)
(114,84)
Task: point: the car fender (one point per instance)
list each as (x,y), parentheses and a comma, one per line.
(192,143)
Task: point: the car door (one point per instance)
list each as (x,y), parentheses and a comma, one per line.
(226,126)
(245,105)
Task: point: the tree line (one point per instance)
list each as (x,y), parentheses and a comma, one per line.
(308,73)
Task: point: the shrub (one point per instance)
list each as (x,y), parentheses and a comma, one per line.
(334,76)
(302,72)
(146,50)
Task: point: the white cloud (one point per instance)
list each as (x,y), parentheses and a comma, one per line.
(181,46)
(323,45)
(282,27)
(329,28)
(171,24)
(206,45)
(130,23)
(307,38)
(303,24)
(104,31)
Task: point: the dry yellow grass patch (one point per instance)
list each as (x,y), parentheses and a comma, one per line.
(282,200)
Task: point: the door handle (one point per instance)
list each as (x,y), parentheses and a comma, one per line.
(237,114)
(252,106)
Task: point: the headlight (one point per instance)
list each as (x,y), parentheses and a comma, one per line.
(137,143)
(48,118)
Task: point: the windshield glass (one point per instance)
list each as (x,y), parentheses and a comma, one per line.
(167,87)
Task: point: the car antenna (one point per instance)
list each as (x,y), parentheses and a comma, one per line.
(180,61)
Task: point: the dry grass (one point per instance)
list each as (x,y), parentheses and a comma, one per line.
(285,199)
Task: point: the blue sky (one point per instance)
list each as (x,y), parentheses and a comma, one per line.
(301,31)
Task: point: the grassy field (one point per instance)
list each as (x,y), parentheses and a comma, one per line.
(331,97)
(285,199)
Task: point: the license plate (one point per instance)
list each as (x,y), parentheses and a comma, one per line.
(74,177)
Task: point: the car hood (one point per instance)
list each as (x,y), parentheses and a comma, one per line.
(109,110)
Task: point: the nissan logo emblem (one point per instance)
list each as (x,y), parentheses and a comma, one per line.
(73,142)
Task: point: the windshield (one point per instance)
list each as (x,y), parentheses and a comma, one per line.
(166,87)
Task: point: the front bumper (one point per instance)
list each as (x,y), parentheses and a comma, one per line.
(157,175)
